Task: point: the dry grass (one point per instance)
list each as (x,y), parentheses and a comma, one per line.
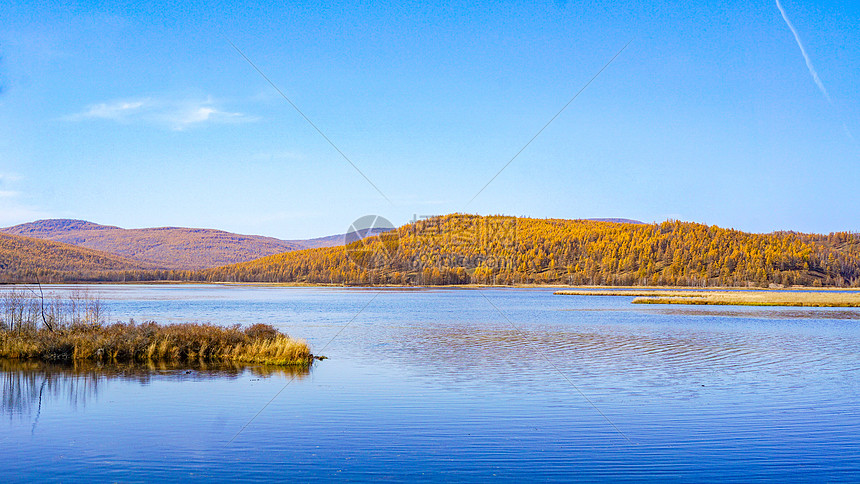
(125,342)
(831,299)
(759,298)
(621,292)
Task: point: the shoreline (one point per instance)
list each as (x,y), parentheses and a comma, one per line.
(562,289)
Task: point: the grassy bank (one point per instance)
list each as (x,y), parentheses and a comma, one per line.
(758,298)
(831,299)
(50,327)
(125,342)
(622,292)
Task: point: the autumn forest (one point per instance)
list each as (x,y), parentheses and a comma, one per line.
(467,249)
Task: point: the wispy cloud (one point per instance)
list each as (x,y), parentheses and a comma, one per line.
(8,178)
(809,65)
(172,114)
(117,110)
(195,114)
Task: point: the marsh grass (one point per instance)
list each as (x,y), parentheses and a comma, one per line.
(759,298)
(30,308)
(52,328)
(124,342)
(833,299)
(631,292)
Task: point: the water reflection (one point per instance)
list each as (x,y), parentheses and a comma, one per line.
(757,313)
(27,384)
(625,360)
(729,311)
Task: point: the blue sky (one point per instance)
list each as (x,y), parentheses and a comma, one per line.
(144,115)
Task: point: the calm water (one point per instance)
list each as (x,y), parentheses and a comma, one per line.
(454,385)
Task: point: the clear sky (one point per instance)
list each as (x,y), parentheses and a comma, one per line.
(140,115)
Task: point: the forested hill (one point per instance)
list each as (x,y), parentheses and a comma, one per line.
(165,247)
(23,259)
(462,249)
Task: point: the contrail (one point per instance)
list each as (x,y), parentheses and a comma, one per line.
(805,55)
(812,69)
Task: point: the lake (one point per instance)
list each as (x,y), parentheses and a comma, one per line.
(453,385)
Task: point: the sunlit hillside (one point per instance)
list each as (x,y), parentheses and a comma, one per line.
(166,247)
(463,249)
(24,258)
(467,249)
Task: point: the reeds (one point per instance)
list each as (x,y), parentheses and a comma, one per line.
(124,342)
(51,328)
(759,298)
(31,308)
(621,292)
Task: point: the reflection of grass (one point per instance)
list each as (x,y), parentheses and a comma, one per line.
(143,371)
(124,342)
(26,383)
(733,298)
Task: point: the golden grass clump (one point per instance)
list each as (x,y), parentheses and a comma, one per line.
(759,298)
(624,292)
(832,299)
(280,350)
(124,342)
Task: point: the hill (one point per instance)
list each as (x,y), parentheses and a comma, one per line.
(315,243)
(166,247)
(23,257)
(462,249)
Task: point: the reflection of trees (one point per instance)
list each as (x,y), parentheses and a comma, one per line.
(27,384)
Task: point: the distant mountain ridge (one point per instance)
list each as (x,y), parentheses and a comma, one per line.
(115,253)
(23,257)
(166,247)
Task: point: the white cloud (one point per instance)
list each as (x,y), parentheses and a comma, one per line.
(170,113)
(198,115)
(193,114)
(116,110)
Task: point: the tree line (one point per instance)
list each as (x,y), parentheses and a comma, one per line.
(469,249)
